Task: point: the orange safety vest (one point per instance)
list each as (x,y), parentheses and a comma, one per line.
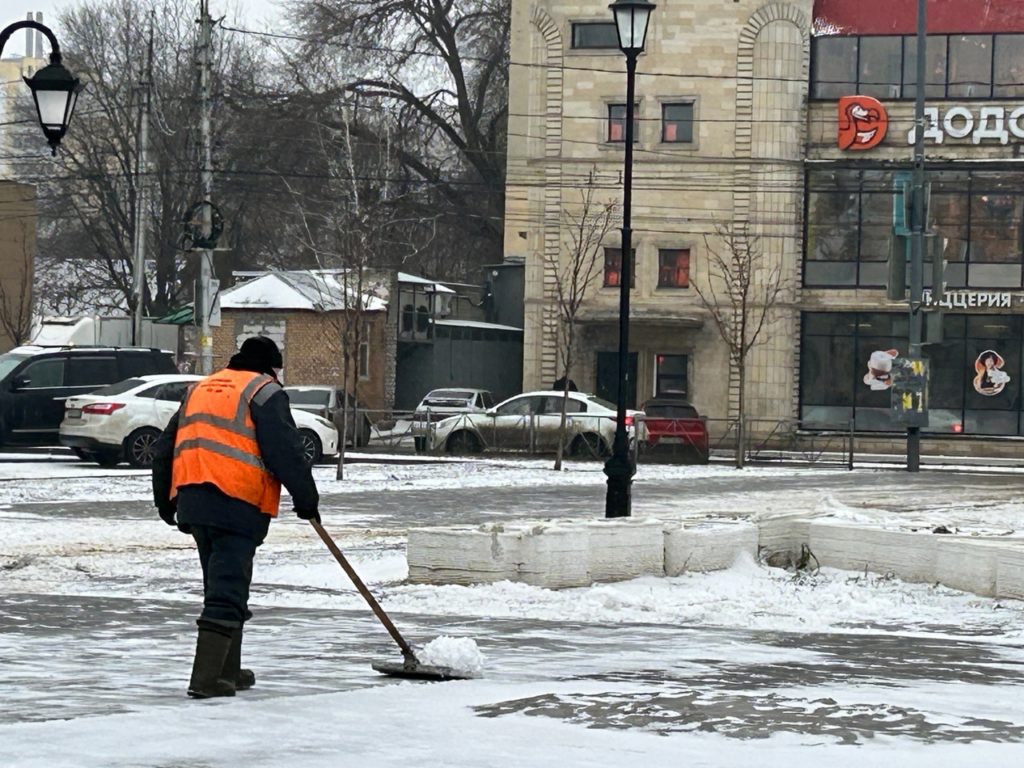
(216,441)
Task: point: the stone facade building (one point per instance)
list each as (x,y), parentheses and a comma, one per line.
(721,105)
(790,120)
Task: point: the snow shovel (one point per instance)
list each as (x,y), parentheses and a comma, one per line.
(410,666)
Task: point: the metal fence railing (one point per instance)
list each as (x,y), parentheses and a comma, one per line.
(590,436)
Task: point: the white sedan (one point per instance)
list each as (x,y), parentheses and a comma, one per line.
(122,421)
(529,422)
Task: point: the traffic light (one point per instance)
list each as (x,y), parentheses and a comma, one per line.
(896,285)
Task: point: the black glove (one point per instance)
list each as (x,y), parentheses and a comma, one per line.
(308,514)
(167,514)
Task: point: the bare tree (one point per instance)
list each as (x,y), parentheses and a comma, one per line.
(17,305)
(742,291)
(436,72)
(574,276)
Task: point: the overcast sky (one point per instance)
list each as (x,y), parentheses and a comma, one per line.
(259,14)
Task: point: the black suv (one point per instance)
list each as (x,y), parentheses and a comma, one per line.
(35,382)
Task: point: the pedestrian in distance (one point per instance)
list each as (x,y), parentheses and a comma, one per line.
(218,469)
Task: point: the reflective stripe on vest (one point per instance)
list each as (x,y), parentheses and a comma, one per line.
(216,441)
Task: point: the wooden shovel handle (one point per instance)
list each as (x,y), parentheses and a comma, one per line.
(367,595)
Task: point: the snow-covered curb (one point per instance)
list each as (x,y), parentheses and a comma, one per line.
(574,553)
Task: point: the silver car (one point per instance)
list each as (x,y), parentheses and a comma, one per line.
(530,423)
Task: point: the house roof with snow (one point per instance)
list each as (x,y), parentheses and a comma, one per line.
(297,289)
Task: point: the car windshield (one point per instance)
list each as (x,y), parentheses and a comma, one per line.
(119,388)
(9,362)
(308,396)
(442,396)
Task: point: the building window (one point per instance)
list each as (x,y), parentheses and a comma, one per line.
(594,34)
(881,61)
(978,214)
(670,375)
(970,67)
(835,67)
(613,268)
(617,122)
(674,268)
(957,66)
(677,123)
(1008,78)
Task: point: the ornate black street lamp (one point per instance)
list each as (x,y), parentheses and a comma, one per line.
(631,17)
(54,89)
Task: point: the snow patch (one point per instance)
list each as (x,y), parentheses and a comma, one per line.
(459,654)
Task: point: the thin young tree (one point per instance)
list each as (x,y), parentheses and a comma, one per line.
(575,274)
(741,293)
(17,300)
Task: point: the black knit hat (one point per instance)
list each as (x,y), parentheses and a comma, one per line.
(258,353)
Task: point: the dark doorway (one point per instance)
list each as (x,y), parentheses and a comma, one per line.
(608,378)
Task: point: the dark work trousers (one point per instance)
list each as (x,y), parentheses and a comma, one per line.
(226,557)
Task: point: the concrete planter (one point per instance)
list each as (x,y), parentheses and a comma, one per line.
(707,546)
(908,555)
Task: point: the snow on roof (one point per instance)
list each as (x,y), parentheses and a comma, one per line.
(319,291)
(405,277)
(477,324)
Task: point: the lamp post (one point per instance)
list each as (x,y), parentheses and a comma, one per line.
(54,89)
(631,17)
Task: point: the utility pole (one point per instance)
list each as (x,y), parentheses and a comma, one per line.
(204,305)
(918,225)
(142,192)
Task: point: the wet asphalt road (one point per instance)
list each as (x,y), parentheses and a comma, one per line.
(68,657)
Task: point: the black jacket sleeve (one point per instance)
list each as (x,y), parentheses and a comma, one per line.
(281,447)
(163,461)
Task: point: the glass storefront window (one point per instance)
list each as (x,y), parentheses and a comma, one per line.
(835,66)
(970,67)
(979,217)
(881,61)
(935,55)
(975,374)
(1008,77)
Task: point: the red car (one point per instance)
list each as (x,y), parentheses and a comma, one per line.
(672,427)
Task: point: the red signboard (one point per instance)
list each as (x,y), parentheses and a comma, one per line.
(899,17)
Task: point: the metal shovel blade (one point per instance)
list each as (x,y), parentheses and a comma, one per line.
(417,671)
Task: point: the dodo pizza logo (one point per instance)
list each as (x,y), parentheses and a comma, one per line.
(863,122)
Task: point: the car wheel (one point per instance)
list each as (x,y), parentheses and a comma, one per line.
(462,443)
(138,448)
(107,458)
(312,450)
(589,446)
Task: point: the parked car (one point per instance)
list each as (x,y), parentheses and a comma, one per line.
(121,422)
(439,404)
(672,426)
(35,381)
(329,403)
(530,422)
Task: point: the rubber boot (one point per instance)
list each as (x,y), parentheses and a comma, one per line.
(207,680)
(244,678)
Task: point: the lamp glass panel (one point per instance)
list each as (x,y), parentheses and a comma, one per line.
(52,107)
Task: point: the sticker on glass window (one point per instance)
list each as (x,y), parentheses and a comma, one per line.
(990,378)
(879,375)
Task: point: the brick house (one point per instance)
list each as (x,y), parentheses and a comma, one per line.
(304,312)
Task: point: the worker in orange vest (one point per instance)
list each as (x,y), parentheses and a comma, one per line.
(217,474)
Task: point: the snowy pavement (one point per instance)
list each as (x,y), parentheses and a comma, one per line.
(750,665)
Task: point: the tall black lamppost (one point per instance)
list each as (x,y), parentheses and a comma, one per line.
(54,89)
(631,17)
